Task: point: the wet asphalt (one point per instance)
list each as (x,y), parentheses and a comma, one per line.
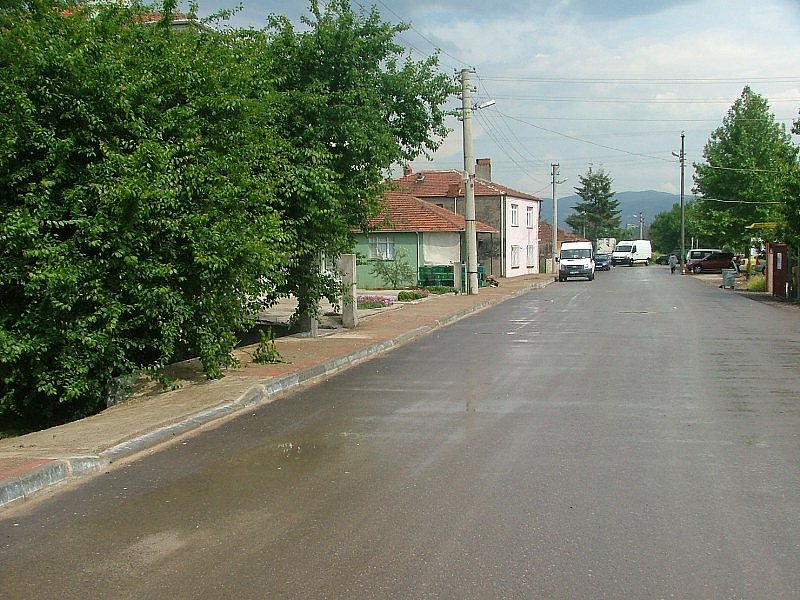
(631,437)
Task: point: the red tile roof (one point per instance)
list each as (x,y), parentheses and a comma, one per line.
(450,184)
(405,212)
(546,234)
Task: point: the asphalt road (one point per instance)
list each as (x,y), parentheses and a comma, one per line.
(637,436)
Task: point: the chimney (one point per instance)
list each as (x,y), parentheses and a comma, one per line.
(483,169)
(407,170)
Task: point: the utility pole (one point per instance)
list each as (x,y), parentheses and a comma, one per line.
(683,229)
(555,173)
(682,160)
(469,185)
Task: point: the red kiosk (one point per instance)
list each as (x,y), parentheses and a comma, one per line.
(777,270)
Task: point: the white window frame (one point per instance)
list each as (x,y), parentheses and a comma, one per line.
(531,255)
(381,247)
(515,257)
(529,217)
(515,215)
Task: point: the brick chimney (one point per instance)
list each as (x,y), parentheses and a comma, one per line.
(407,170)
(483,169)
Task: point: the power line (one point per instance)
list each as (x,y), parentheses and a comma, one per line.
(740,201)
(424,37)
(633,100)
(739,169)
(646,80)
(577,139)
(638,120)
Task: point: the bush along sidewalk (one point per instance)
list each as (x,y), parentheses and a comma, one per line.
(409,295)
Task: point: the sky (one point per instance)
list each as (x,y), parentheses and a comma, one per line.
(591,84)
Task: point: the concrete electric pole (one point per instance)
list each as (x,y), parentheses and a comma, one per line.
(555,174)
(469,185)
(683,221)
(682,161)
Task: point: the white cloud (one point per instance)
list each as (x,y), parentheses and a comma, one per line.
(612,83)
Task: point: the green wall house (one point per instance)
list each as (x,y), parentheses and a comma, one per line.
(414,232)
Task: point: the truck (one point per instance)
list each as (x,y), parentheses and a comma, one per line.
(576,260)
(631,252)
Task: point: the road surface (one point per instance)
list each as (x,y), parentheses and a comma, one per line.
(637,436)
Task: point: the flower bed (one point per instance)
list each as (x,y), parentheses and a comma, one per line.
(366,302)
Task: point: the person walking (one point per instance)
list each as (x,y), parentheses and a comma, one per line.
(673,262)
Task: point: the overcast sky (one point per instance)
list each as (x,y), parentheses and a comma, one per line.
(587,82)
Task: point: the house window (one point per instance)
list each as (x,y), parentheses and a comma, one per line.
(529,217)
(515,257)
(381,247)
(531,255)
(515,215)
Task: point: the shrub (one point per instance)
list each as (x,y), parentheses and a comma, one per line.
(408,295)
(266,353)
(756,283)
(395,273)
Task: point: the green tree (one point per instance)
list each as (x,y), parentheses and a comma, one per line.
(791,208)
(134,228)
(396,272)
(665,230)
(597,215)
(749,171)
(353,107)
(159,187)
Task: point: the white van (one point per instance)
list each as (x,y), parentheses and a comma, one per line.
(631,252)
(576,260)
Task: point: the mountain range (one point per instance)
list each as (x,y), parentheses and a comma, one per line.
(649,203)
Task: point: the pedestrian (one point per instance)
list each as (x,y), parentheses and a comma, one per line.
(673,262)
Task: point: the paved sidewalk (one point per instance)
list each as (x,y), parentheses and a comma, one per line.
(37,461)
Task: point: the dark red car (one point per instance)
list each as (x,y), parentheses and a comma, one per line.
(713,263)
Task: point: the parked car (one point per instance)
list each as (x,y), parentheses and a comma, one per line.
(602,262)
(757,262)
(713,263)
(697,253)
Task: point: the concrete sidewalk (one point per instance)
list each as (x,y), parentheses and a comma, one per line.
(38,461)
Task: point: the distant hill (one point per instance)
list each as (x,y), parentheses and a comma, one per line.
(649,203)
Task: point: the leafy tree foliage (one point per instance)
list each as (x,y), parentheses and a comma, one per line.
(397,272)
(133,229)
(791,208)
(665,230)
(352,107)
(158,187)
(598,214)
(749,175)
